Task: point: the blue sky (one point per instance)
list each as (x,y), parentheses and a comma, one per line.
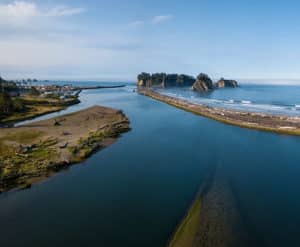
(116,39)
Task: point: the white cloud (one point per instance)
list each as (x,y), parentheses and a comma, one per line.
(154,20)
(64,11)
(136,24)
(19,9)
(161,18)
(24,9)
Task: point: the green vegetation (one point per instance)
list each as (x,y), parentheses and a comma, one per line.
(22,154)
(33,152)
(186,231)
(23,137)
(205,79)
(158,79)
(51,100)
(9,105)
(53,96)
(25,156)
(86,146)
(31,112)
(202,83)
(14,107)
(8,86)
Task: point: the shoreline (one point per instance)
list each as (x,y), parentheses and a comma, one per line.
(33,152)
(11,123)
(98,87)
(35,105)
(251,120)
(37,108)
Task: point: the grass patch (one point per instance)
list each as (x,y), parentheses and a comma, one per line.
(15,164)
(23,137)
(86,146)
(31,112)
(185,233)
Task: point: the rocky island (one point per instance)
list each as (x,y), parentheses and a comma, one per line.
(35,151)
(202,83)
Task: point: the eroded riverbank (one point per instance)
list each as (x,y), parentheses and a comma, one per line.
(35,151)
(260,121)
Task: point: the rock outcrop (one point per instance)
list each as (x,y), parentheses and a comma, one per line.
(203,83)
(226,83)
(165,80)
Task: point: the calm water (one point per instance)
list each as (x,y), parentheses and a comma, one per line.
(275,99)
(134,192)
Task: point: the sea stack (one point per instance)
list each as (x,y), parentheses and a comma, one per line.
(162,80)
(144,80)
(203,83)
(226,83)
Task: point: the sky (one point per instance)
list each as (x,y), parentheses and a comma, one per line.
(117,39)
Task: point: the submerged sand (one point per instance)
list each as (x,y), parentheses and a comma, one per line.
(214,219)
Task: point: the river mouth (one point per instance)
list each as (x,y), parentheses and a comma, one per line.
(135,192)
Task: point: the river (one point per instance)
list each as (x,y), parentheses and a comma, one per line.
(136,191)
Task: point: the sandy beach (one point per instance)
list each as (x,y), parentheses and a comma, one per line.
(252,120)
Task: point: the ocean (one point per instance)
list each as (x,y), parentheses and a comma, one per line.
(274,99)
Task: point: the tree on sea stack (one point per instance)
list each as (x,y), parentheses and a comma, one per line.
(143,79)
(205,78)
(203,83)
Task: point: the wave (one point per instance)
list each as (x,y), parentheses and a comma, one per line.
(243,105)
(246,102)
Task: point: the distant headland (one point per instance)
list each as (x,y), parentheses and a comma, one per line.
(202,83)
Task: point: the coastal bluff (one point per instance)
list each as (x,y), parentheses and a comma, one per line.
(202,83)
